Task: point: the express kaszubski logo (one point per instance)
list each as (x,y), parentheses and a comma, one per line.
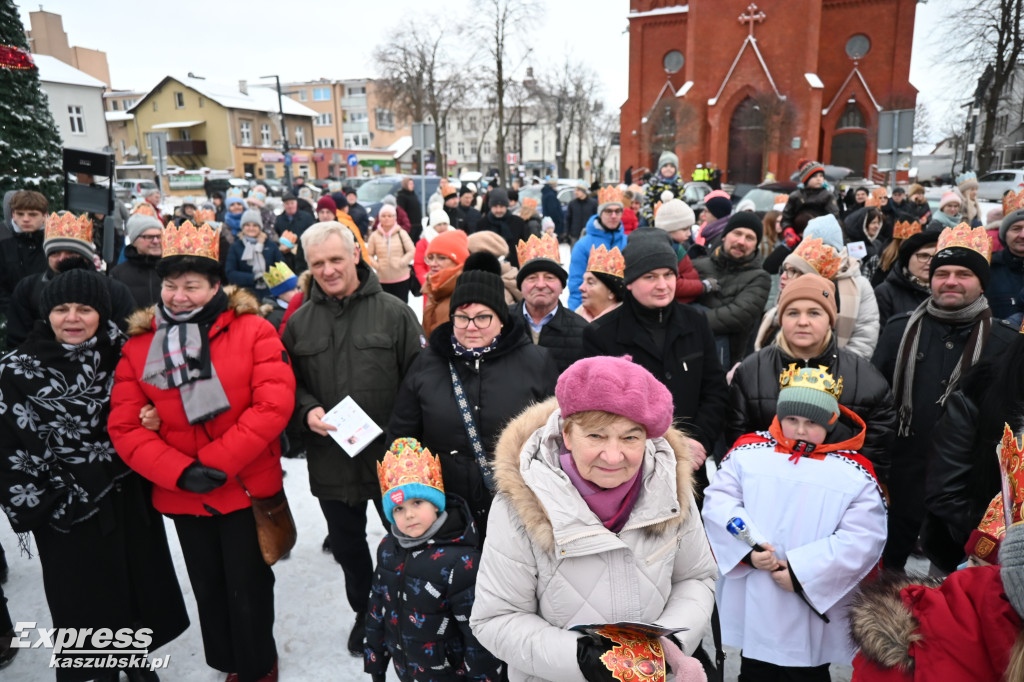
(102,648)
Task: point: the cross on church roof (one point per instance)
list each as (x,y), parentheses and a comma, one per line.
(753,16)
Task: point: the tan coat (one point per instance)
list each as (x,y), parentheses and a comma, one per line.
(391,254)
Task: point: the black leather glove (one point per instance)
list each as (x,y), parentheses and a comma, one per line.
(379,677)
(199,479)
(588,658)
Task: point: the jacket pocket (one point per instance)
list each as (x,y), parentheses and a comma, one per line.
(311,345)
(371,341)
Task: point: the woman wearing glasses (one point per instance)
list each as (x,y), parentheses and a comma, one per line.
(906,285)
(484,355)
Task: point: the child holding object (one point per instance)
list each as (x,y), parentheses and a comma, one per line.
(815,524)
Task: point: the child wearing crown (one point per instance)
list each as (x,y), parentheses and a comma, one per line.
(796,520)
(423,588)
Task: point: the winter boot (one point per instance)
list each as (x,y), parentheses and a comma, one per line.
(357,638)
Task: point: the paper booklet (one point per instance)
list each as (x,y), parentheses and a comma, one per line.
(355,429)
(640,630)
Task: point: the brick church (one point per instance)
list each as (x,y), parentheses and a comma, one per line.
(754,87)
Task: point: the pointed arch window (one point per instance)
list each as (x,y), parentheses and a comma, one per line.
(852,117)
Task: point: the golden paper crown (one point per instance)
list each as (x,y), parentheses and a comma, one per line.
(820,256)
(278,273)
(609,262)
(538,247)
(144,208)
(1013,201)
(409,462)
(204,215)
(780,199)
(67,226)
(529,202)
(1010,455)
(819,379)
(188,240)
(964,237)
(905,229)
(608,195)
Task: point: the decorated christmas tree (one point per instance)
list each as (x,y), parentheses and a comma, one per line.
(30,147)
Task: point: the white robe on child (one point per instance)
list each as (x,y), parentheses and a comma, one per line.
(826,517)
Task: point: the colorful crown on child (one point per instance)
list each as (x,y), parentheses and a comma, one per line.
(820,256)
(234,193)
(609,262)
(189,240)
(1011,453)
(1013,201)
(819,379)
(985,540)
(905,229)
(962,236)
(67,226)
(204,215)
(277,274)
(144,208)
(409,462)
(538,247)
(608,195)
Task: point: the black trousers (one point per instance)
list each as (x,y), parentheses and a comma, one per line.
(346,529)
(752,670)
(234,590)
(399,290)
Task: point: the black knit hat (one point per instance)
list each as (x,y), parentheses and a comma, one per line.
(480,282)
(497,197)
(964,257)
(541,265)
(915,243)
(747,219)
(76,286)
(648,249)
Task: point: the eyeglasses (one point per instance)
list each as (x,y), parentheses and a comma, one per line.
(790,272)
(480,321)
(613,211)
(923,258)
(151,237)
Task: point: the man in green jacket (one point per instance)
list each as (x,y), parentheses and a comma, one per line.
(348,339)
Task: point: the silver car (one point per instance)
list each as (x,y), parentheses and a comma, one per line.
(994,184)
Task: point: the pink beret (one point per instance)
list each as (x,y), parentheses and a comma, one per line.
(617,386)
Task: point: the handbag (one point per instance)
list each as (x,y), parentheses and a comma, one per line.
(275,526)
(474,434)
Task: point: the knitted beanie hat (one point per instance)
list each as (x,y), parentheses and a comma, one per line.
(326,202)
(1010,218)
(674,215)
(810,287)
(964,257)
(810,168)
(1011,566)
(497,197)
(646,250)
(452,243)
(76,286)
(617,386)
(139,223)
(804,400)
(439,217)
(667,158)
(718,203)
(251,216)
(827,229)
(747,220)
(480,282)
(488,241)
(950,198)
(915,243)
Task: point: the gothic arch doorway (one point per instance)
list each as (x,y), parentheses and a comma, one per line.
(746,143)
(850,141)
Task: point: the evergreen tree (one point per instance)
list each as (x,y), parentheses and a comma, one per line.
(30,146)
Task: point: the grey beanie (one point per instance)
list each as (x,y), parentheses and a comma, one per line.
(674,215)
(668,157)
(1011,562)
(139,223)
(251,216)
(648,249)
(497,197)
(1008,220)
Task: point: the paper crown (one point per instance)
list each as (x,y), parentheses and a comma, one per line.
(189,240)
(985,540)
(820,256)
(905,229)
(538,247)
(280,278)
(447,189)
(144,208)
(964,177)
(409,462)
(333,186)
(67,226)
(819,379)
(234,193)
(608,195)
(609,262)
(780,199)
(962,236)
(1013,201)
(1010,460)
(204,215)
(529,202)
(878,197)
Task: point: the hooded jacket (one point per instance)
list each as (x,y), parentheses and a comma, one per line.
(735,308)
(596,236)
(550,563)
(242,442)
(805,204)
(512,229)
(138,273)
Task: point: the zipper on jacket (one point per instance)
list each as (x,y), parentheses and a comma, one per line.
(593,533)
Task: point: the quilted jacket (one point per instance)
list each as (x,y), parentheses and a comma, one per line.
(550,564)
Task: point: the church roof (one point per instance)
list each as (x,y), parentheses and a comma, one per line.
(855,72)
(750,41)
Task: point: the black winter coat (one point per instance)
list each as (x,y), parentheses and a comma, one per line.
(805,204)
(471,216)
(687,361)
(577,215)
(420,604)
(21,255)
(551,207)
(410,203)
(754,393)
(1005,284)
(360,217)
(297,223)
(897,294)
(138,273)
(512,229)
(562,335)
(736,307)
(499,385)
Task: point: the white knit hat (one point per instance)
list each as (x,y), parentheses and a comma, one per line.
(674,215)
(438,217)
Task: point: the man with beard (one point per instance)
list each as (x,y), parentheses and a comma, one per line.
(138,271)
(925,354)
(500,221)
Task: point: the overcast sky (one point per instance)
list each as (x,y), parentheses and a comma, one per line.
(229,41)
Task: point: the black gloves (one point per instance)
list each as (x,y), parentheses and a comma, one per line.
(588,657)
(199,479)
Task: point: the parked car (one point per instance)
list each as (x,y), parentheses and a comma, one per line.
(275,187)
(694,192)
(994,184)
(764,194)
(130,189)
(373,191)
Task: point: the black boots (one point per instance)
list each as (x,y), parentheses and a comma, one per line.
(356,638)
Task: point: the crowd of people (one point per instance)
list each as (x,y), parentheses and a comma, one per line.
(542,468)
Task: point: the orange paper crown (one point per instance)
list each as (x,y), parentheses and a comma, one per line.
(145,208)
(538,247)
(1013,201)
(529,202)
(609,262)
(608,195)
(409,462)
(877,198)
(780,199)
(820,256)
(204,215)
(1010,456)
(67,226)
(986,538)
(905,229)
(964,237)
(188,240)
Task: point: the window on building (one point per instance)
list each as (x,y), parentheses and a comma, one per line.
(358,116)
(321,94)
(154,105)
(179,100)
(472,123)
(270,172)
(113,105)
(448,148)
(77,120)
(124,149)
(300,136)
(851,118)
(487,146)
(325,142)
(303,95)
(324,119)
(366,139)
(536,146)
(472,147)
(184,134)
(357,90)
(246,130)
(202,102)
(385,119)
(462,149)
(265,134)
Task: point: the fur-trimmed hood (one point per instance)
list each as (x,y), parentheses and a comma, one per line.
(535,435)
(240,300)
(881,624)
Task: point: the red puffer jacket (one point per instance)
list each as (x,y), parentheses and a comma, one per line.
(257,377)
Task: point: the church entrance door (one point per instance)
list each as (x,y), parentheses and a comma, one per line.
(746,143)
(850,149)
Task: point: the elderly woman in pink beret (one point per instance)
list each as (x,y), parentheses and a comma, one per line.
(594,522)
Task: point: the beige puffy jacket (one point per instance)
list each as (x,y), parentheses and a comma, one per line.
(391,254)
(549,563)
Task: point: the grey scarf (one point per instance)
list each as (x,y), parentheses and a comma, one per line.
(253,255)
(906,359)
(406,542)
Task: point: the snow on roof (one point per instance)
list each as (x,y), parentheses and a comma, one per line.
(53,70)
(118,116)
(259,98)
(401,145)
(674,9)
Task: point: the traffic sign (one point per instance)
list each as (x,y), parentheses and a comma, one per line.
(512,158)
(353,160)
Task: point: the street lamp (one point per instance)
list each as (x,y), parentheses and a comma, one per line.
(284,133)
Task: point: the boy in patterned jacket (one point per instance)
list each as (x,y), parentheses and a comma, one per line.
(423,588)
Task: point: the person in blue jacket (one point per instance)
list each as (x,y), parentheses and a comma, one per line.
(605,227)
(251,255)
